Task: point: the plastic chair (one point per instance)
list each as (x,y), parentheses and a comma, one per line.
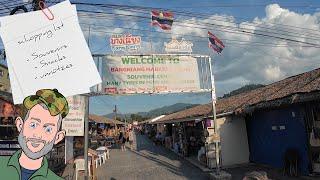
(102,158)
(107,154)
(97,161)
(80,166)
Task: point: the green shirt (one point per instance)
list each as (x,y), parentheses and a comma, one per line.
(10,169)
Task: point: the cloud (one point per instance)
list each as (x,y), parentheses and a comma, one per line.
(257,63)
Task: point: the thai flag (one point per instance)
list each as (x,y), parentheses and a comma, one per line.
(215,43)
(162,19)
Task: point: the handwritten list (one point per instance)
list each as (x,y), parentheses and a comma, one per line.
(44,53)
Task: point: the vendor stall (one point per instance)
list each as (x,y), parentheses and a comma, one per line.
(8,131)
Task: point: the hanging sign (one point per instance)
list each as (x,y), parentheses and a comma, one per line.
(150,74)
(182,46)
(73,123)
(125,43)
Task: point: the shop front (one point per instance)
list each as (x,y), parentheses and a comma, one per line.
(8,131)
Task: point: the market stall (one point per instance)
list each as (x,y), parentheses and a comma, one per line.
(8,131)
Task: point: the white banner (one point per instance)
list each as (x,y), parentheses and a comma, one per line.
(149,74)
(73,123)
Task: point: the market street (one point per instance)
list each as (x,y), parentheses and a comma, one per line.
(148,162)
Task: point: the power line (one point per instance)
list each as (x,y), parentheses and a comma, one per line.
(205,41)
(295,34)
(186,13)
(251,5)
(232,28)
(202,37)
(223,27)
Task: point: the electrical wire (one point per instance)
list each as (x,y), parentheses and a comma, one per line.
(185,13)
(194,36)
(223,27)
(296,34)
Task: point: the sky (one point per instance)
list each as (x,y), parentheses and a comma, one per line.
(246,59)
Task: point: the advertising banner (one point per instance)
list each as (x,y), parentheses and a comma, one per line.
(150,74)
(73,123)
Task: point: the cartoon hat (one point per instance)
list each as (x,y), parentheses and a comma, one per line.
(55,101)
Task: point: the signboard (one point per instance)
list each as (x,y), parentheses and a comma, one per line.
(150,74)
(182,46)
(125,43)
(73,123)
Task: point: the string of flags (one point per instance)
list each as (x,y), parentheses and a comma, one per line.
(164,19)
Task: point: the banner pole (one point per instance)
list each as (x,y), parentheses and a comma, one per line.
(86,132)
(213,97)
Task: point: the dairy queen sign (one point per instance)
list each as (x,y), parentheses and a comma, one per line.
(125,43)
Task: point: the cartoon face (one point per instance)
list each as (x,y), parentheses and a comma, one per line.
(40,128)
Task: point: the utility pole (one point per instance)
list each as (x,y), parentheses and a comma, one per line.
(115,117)
(88,40)
(213,97)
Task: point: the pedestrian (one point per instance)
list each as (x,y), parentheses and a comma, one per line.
(131,138)
(122,141)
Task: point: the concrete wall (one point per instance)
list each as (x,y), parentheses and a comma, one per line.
(234,141)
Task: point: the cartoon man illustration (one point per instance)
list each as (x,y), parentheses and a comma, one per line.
(38,132)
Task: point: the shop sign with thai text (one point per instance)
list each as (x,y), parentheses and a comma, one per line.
(125,43)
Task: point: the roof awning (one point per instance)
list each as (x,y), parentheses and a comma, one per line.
(104,120)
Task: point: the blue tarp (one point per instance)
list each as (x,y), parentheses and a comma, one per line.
(271,133)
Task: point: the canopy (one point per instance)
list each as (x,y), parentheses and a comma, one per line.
(104,120)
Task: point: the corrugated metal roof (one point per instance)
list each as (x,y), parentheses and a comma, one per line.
(299,84)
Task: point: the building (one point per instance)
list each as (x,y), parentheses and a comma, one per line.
(8,130)
(4,79)
(262,125)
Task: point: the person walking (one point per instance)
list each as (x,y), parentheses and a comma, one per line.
(122,141)
(131,134)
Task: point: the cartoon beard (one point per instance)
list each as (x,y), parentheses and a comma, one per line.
(33,155)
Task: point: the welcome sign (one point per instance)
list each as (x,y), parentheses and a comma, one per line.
(150,74)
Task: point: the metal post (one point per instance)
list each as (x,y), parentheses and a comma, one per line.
(213,97)
(86,131)
(86,127)
(88,40)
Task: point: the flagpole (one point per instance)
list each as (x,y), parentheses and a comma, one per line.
(213,97)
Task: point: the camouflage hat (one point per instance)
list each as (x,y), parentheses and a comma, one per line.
(55,101)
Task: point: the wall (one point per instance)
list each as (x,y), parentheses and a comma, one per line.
(4,79)
(234,141)
(273,132)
